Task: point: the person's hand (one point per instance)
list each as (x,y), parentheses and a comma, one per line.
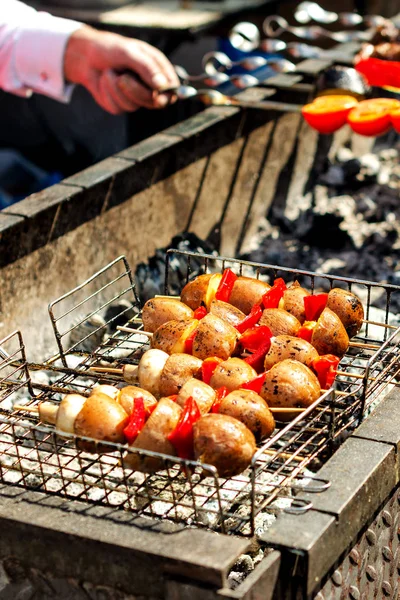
(101,62)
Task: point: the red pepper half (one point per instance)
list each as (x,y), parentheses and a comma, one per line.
(188,344)
(306,330)
(226,285)
(326,368)
(252,319)
(255,384)
(314,305)
(255,337)
(372,117)
(221,393)
(136,420)
(182,436)
(272,297)
(327,114)
(208,367)
(200,313)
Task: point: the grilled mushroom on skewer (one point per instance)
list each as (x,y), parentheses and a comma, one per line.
(290,384)
(348,308)
(158,371)
(154,437)
(329,335)
(204,395)
(158,311)
(98,417)
(178,369)
(224,442)
(292,301)
(251,409)
(285,346)
(232,374)
(226,312)
(128,394)
(280,321)
(245,293)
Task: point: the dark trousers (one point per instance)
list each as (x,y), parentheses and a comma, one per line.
(60,137)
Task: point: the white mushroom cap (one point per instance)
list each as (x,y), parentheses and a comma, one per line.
(151,366)
(70,407)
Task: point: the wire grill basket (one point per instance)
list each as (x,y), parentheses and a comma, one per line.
(34,455)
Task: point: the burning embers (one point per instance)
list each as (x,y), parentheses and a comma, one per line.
(347,224)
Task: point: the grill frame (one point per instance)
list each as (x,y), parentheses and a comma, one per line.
(312,434)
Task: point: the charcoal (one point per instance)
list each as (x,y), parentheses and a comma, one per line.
(150,276)
(351,228)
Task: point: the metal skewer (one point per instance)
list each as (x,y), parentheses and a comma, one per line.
(215,62)
(311,11)
(215,98)
(275,25)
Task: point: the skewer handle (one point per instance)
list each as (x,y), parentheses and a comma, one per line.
(161,296)
(363,346)
(21,407)
(46,411)
(284,455)
(380,324)
(137,331)
(286,410)
(107,370)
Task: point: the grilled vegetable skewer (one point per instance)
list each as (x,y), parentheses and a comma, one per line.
(98,417)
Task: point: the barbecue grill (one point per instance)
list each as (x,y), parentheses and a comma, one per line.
(70,515)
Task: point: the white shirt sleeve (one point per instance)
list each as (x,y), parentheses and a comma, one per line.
(32,47)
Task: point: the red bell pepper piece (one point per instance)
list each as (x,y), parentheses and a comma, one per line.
(379,72)
(208,367)
(152,407)
(221,393)
(188,345)
(326,368)
(200,313)
(255,384)
(256,360)
(136,420)
(314,305)
(251,320)
(306,330)
(272,297)
(182,436)
(226,285)
(173,397)
(255,337)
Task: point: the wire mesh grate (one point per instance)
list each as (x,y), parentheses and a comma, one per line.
(37,456)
